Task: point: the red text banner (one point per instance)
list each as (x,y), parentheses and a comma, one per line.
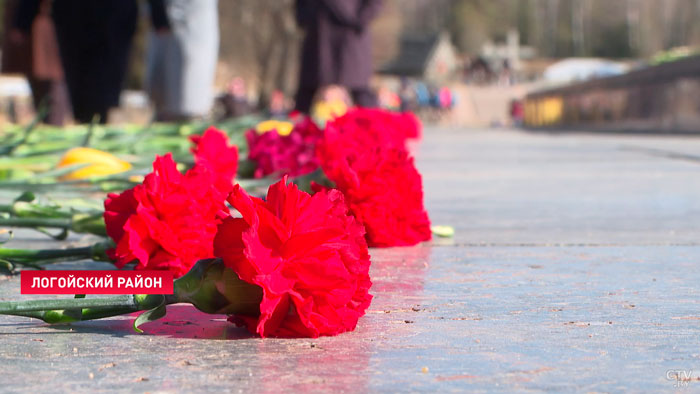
(96,282)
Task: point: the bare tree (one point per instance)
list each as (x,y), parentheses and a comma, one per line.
(578,13)
(633,20)
(261,43)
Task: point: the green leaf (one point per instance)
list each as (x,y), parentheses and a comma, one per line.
(27,209)
(55,173)
(26,197)
(7,266)
(149,316)
(58,237)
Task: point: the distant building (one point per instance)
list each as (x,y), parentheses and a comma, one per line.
(429,57)
(511,52)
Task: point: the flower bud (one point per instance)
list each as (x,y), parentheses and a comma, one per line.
(214,288)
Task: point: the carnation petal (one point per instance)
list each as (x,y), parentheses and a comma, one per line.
(306,253)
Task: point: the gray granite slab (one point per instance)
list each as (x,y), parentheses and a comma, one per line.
(573,269)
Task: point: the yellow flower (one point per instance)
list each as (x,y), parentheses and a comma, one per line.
(283,128)
(324,111)
(98,163)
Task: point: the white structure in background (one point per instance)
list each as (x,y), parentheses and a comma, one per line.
(14,86)
(15,99)
(581,69)
(498,53)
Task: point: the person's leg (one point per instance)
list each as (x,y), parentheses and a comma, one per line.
(116,35)
(364,97)
(54,96)
(303,100)
(71,49)
(60,103)
(94,41)
(41,92)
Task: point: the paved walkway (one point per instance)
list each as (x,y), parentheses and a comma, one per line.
(573,268)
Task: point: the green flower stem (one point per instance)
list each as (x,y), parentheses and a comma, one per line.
(48,183)
(41,114)
(31,255)
(97,252)
(79,309)
(79,223)
(68,303)
(36,222)
(210,286)
(60,223)
(61,316)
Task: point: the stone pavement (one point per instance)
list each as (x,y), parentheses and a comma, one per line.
(573,268)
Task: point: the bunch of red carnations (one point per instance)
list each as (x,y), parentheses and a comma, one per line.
(292,264)
(364,154)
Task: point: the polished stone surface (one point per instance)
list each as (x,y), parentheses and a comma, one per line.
(573,268)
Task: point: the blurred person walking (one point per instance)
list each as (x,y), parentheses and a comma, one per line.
(95,39)
(181,60)
(337,48)
(30,48)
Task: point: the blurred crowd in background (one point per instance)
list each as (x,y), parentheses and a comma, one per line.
(76,55)
(465,61)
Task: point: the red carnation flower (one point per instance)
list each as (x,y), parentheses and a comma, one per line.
(306,253)
(409,124)
(211,150)
(375,127)
(382,188)
(293,154)
(168,222)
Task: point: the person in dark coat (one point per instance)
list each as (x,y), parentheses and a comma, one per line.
(30,48)
(94,39)
(337,48)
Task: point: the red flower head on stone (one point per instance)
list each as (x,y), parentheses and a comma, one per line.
(168,222)
(381,185)
(409,124)
(211,150)
(365,127)
(292,154)
(306,253)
